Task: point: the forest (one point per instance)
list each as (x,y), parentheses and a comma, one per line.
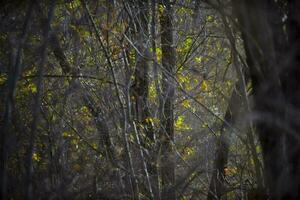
(150,99)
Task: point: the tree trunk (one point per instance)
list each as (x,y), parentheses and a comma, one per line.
(238,103)
(36,109)
(167,164)
(274,69)
(7,128)
(217,187)
(141,87)
(291,90)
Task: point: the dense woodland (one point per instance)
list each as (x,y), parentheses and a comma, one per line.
(150,99)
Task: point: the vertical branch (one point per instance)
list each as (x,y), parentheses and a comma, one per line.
(15,67)
(154,55)
(155,176)
(217,188)
(264,39)
(37,104)
(243,76)
(167,165)
(145,164)
(236,104)
(141,88)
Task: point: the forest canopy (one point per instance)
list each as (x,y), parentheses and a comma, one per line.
(150,99)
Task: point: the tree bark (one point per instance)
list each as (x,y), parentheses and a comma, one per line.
(28,193)
(141,88)
(7,127)
(167,164)
(239,102)
(291,90)
(217,184)
(274,69)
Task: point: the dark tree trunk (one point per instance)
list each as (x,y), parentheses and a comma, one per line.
(7,127)
(141,87)
(274,69)
(217,184)
(167,163)
(28,193)
(291,90)
(238,103)
(141,71)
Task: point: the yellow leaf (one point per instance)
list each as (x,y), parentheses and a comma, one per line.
(149,120)
(187,44)
(180,125)
(3,78)
(74,142)
(66,134)
(36,157)
(32,88)
(205,125)
(152,91)
(188,153)
(161,8)
(183,198)
(198,59)
(209,18)
(94,145)
(84,109)
(204,86)
(228,83)
(158,54)
(183,79)
(186,104)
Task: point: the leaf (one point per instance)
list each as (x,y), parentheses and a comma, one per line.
(66,134)
(205,125)
(152,120)
(186,104)
(152,92)
(36,157)
(209,18)
(161,8)
(32,88)
(188,153)
(180,125)
(204,86)
(187,43)
(94,145)
(183,79)
(158,54)
(3,78)
(183,198)
(149,120)
(84,109)
(198,59)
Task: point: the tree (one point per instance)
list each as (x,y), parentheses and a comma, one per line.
(149,99)
(167,163)
(36,110)
(272,57)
